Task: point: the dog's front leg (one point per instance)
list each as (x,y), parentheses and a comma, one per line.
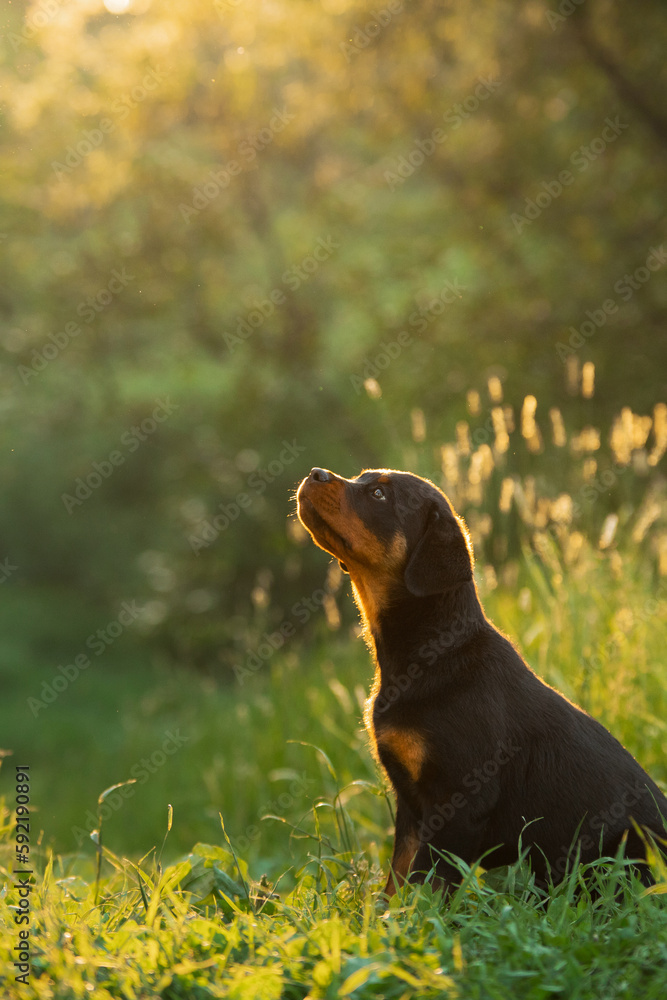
(462,839)
(406,844)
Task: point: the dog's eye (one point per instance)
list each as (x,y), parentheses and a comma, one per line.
(378,493)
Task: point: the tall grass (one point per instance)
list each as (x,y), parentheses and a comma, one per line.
(282,899)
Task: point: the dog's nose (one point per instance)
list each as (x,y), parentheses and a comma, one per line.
(320,475)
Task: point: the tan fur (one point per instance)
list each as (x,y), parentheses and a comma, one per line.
(374,568)
(372,584)
(400,865)
(368,710)
(408,746)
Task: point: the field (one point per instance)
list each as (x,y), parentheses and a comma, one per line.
(204,837)
(241,240)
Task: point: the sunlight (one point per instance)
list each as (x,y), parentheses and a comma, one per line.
(117,6)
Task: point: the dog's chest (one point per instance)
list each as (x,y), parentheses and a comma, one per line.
(402,746)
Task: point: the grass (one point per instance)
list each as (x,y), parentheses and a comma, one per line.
(201,929)
(236,756)
(283,900)
(289,906)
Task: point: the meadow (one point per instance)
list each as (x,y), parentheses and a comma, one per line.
(198,835)
(241,240)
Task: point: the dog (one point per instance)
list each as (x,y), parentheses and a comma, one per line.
(486,760)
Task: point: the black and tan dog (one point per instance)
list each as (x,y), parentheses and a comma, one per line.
(482,755)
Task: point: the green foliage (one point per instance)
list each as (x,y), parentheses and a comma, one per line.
(239,240)
(593,627)
(190,930)
(260,302)
(316,822)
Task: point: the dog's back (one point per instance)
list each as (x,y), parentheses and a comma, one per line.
(571,785)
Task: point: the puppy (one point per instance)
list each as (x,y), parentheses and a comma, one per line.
(485,759)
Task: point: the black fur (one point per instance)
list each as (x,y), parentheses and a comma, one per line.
(480,752)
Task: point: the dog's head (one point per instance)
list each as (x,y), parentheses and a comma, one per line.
(390,530)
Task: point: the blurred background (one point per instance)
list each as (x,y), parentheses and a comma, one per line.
(245,237)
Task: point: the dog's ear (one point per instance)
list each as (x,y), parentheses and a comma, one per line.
(441,559)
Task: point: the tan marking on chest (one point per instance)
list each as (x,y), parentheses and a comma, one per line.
(408,746)
(374,580)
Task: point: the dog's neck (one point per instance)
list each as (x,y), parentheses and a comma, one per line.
(416,630)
